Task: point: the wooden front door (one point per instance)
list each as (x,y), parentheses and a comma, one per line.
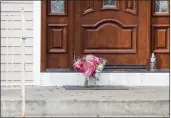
(115,30)
(118,30)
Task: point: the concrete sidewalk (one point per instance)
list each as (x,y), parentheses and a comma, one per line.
(53,101)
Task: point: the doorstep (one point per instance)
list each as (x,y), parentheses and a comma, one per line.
(120,78)
(56,101)
(110,71)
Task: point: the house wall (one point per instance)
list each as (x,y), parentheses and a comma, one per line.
(13,35)
(60,79)
(32,16)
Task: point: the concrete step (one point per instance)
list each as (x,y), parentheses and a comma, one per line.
(125,78)
(54,101)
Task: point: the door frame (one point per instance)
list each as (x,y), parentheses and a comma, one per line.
(43,35)
(43,42)
(36,42)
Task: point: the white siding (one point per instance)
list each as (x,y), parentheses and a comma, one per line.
(13,34)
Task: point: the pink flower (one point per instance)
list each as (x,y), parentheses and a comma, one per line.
(93,58)
(87,65)
(78,65)
(89,68)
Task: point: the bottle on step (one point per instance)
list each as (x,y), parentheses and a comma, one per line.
(153,62)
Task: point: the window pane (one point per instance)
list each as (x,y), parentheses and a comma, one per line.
(57,6)
(162,5)
(109,2)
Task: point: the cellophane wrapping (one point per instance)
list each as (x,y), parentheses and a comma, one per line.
(90,65)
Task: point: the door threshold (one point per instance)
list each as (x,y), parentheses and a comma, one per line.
(111,71)
(61,70)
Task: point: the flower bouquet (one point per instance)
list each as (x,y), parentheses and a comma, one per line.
(90,66)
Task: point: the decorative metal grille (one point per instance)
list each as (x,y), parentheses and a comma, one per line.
(109,2)
(161,6)
(57,6)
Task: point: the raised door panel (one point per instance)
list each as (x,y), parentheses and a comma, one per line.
(108,36)
(58,38)
(161,39)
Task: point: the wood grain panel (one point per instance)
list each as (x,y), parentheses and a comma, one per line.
(160,39)
(161,34)
(130,6)
(87,6)
(57,38)
(109,36)
(58,62)
(163,61)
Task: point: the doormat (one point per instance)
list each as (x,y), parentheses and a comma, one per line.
(95,87)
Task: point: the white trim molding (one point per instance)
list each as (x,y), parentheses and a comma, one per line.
(170,64)
(36,41)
